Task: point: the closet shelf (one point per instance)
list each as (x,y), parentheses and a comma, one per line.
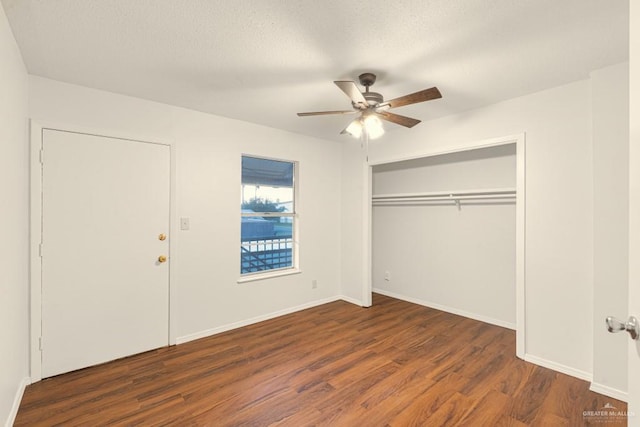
(440,196)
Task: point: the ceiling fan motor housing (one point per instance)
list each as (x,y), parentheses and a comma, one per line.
(367,79)
(373,98)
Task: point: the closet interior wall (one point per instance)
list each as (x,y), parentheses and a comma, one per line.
(461,257)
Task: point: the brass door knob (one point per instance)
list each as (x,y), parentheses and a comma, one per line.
(162,236)
(162,258)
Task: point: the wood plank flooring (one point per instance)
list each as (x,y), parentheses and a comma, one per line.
(394,364)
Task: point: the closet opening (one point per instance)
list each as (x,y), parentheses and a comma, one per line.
(447,232)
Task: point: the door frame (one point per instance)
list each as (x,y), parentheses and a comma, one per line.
(633,362)
(519,141)
(35,228)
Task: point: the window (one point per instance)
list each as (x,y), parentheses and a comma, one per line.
(268,215)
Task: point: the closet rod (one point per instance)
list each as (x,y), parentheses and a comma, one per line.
(445,196)
(441,199)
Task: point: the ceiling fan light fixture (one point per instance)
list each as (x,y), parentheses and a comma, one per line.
(354,129)
(373,126)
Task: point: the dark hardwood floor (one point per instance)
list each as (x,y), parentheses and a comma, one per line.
(396,364)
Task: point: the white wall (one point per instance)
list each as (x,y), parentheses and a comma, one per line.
(14,194)
(478,169)
(459,260)
(559,208)
(205,260)
(610,126)
(354,197)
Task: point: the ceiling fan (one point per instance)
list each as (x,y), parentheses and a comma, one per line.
(373,108)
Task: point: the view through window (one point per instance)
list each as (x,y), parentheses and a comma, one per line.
(267,215)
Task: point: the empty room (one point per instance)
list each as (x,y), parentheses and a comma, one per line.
(331,213)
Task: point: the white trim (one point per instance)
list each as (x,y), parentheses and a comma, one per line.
(174,226)
(269,274)
(35,230)
(521,247)
(352,301)
(520,141)
(230,326)
(474,316)
(16,401)
(609,391)
(272,214)
(558,367)
(35,262)
(367,232)
(485,143)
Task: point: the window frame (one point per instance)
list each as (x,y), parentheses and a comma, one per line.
(295,226)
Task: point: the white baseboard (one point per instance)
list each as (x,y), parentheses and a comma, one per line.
(609,391)
(235,325)
(451,310)
(16,401)
(558,367)
(351,300)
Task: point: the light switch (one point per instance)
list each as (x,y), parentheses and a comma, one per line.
(184,223)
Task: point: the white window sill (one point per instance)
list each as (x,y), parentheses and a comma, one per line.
(268,275)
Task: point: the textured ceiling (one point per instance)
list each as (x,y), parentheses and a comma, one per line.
(264,60)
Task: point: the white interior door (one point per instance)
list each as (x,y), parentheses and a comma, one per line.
(105,202)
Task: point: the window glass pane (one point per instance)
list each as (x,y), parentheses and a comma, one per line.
(261,198)
(266,228)
(273,173)
(266,243)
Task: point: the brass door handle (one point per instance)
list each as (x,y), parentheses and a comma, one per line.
(162,258)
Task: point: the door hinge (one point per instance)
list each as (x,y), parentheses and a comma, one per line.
(41,156)
(40,343)
(40,250)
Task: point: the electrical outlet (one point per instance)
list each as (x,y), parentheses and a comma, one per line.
(387,276)
(314,284)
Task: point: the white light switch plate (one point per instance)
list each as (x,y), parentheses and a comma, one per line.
(184,223)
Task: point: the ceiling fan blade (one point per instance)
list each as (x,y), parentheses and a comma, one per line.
(324,113)
(397,119)
(414,98)
(351,90)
